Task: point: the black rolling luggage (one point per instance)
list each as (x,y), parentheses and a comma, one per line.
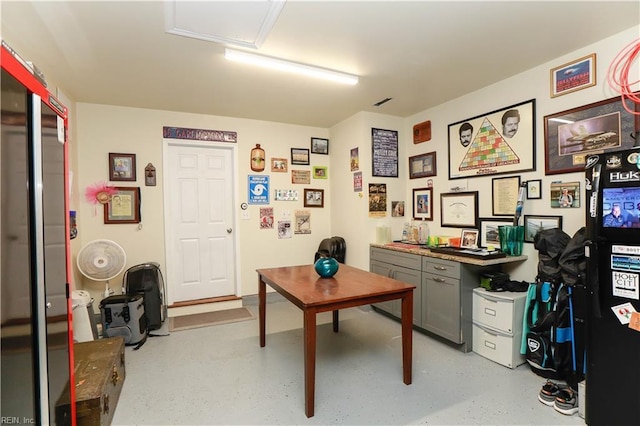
(146,279)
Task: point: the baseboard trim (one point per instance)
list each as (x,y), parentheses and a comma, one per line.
(204,305)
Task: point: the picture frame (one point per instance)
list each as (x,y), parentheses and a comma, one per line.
(122,167)
(320,146)
(384,153)
(572,135)
(564,194)
(489,235)
(423,165)
(469,238)
(320,172)
(123,206)
(505,191)
(498,142)
(313,197)
(459,209)
(573,76)
(534,189)
(535,223)
(301,177)
(299,156)
(423,203)
(279,165)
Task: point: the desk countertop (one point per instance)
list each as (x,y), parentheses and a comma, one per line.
(410,248)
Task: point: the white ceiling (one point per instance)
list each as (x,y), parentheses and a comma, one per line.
(420,53)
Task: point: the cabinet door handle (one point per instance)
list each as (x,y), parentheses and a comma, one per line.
(439,280)
(439,268)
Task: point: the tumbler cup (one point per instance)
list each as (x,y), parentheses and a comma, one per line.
(511,239)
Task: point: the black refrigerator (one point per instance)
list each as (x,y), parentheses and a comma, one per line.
(613,283)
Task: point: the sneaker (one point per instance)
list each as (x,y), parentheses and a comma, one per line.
(549,391)
(566,402)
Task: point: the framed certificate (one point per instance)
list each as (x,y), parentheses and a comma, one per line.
(124,206)
(459,209)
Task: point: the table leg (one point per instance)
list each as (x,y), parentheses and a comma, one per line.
(262,306)
(309,361)
(336,319)
(407,336)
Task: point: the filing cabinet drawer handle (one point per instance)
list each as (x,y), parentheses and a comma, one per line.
(490,345)
(490,312)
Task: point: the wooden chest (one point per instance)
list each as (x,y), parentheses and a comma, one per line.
(99,376)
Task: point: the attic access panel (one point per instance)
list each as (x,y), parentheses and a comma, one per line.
(238,23)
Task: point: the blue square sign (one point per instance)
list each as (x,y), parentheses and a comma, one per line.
(258,189)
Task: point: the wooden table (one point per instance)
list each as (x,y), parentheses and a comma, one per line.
(350,287)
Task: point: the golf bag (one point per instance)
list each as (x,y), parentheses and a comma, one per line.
(573,263)
(332,247)
(556,308)
(146,280)
(545,321)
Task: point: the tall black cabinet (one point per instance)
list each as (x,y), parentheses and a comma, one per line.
(34,251)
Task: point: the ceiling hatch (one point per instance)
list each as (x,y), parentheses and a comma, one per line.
(237,23)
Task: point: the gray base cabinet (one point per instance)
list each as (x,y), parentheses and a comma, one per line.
(403,267)
(443,298)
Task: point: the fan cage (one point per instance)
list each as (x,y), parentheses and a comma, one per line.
(101,260)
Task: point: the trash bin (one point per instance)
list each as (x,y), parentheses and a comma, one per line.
(84,321)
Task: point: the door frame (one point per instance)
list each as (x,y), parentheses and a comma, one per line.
(233,148)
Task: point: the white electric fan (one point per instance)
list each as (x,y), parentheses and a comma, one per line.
(102,260)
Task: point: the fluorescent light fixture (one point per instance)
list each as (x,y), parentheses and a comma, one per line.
(293,67)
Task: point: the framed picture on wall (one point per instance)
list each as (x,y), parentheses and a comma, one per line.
(320,146)
(497,142)
(573,76)
(459,209)
(536,223)
(313,197)
(299,156)
(123,207)
(422,203)
(489,235)
(423,165)
(534,189)
(122,167)
(573,135)
(505,192)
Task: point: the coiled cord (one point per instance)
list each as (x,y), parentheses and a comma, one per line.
(618,74)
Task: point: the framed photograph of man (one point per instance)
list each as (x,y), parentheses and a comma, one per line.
(498,142)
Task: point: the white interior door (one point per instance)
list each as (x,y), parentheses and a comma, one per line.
(200,222)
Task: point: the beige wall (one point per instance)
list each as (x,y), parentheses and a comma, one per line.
(97,130)
(103,129)
(533,83)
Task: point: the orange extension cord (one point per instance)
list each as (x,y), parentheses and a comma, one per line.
(618,74)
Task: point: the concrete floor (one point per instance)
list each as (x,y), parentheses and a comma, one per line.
(220,375)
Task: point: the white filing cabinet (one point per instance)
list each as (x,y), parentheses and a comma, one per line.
(497,325)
